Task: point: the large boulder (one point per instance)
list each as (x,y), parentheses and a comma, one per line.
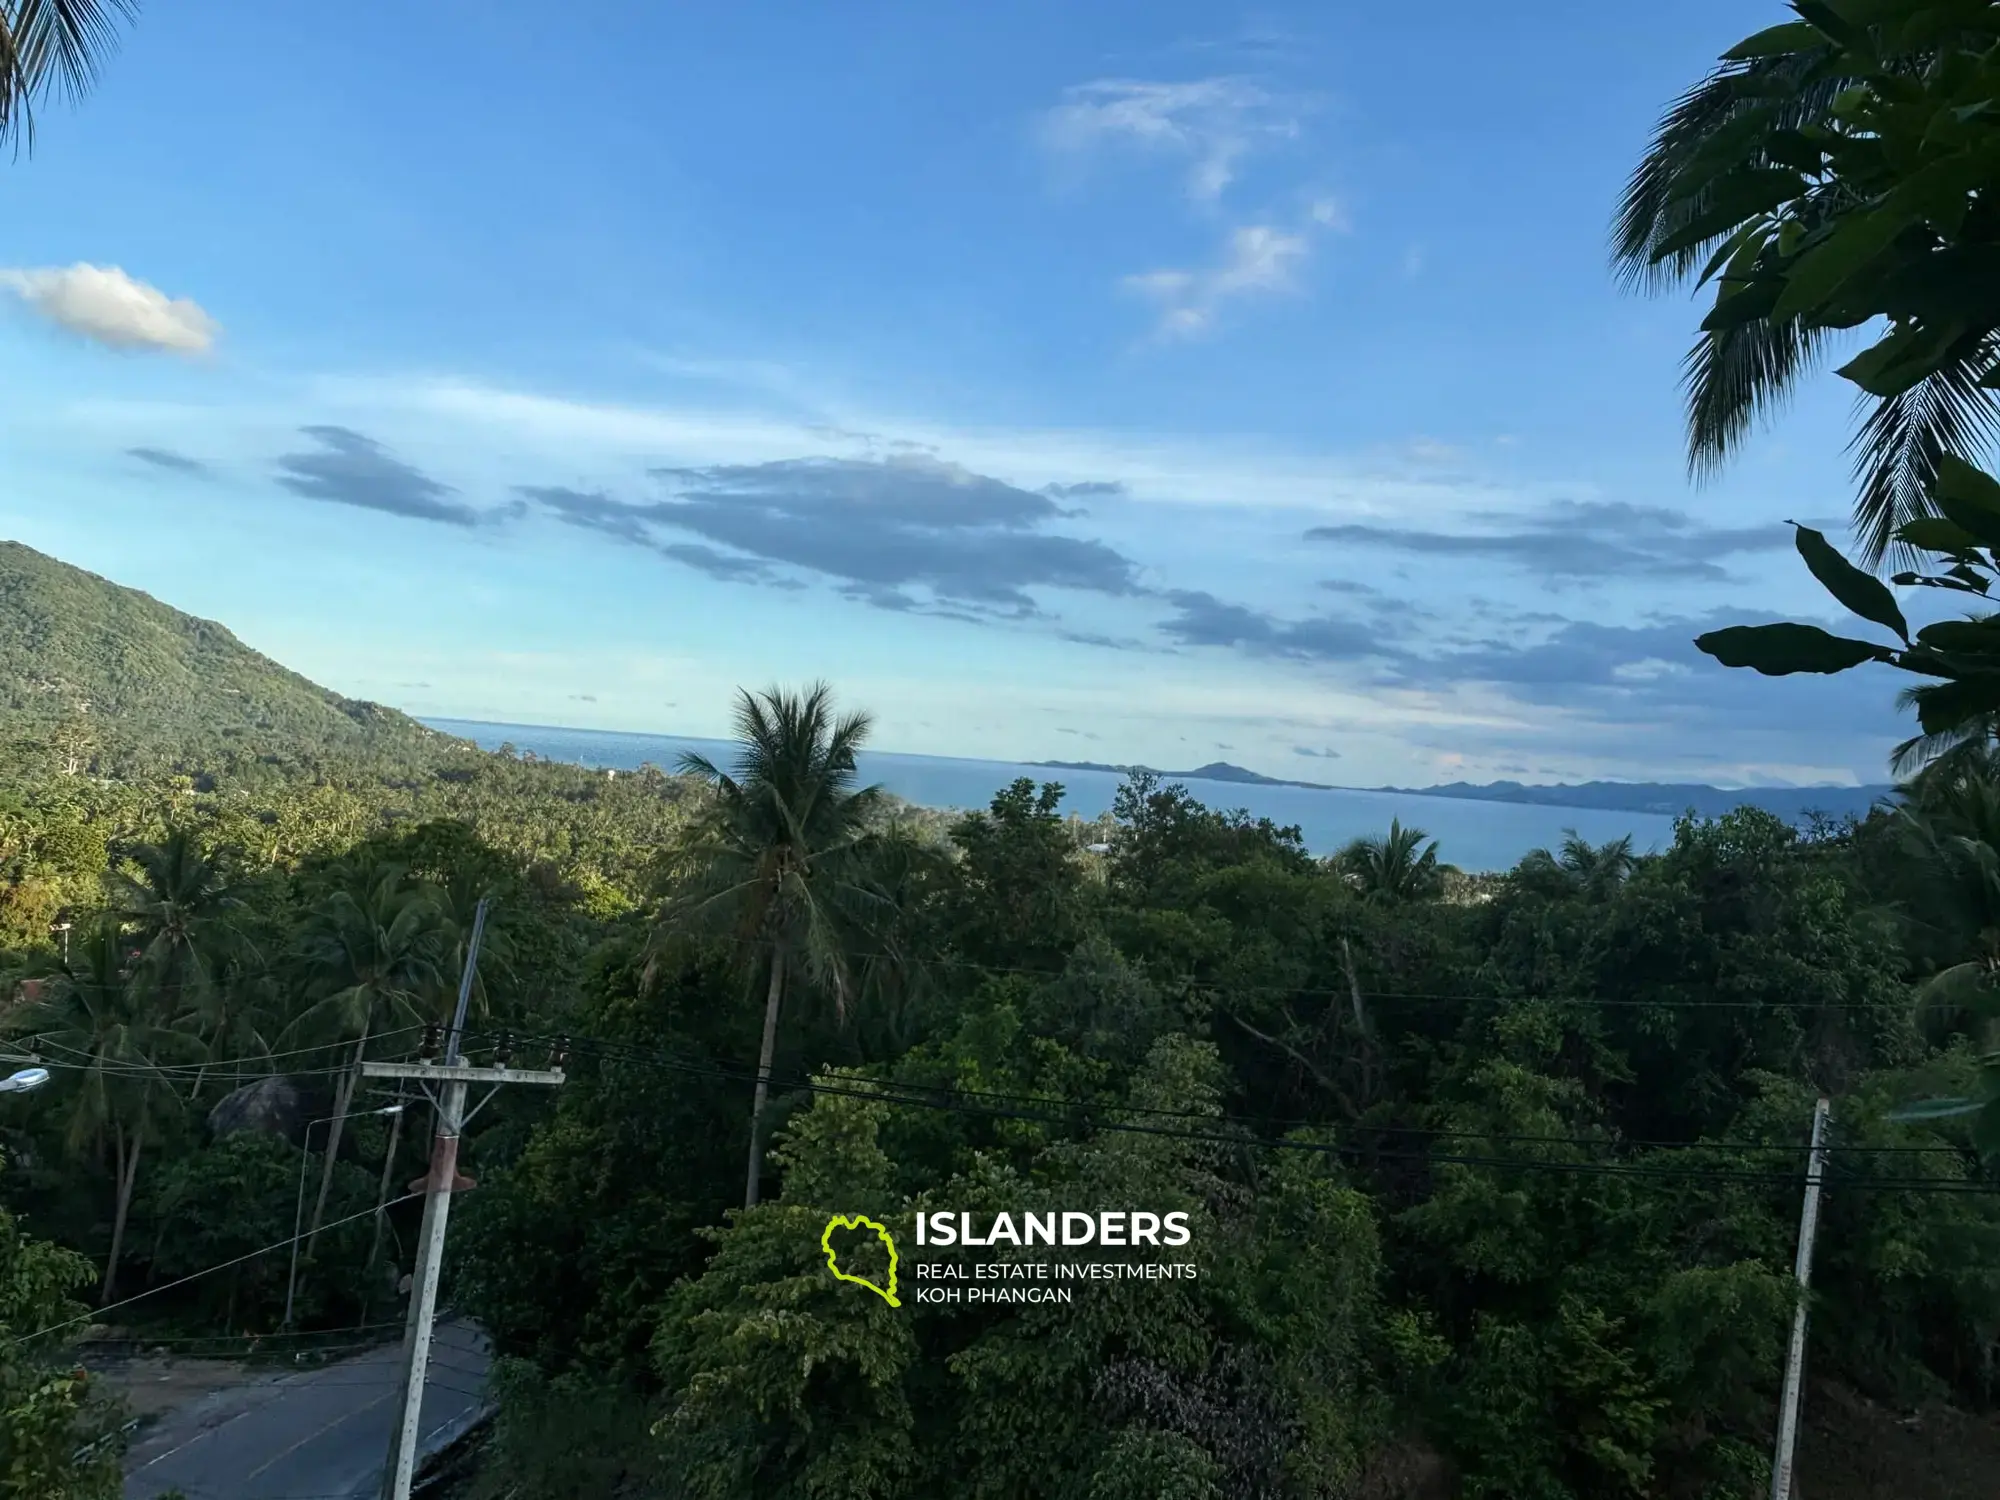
(279,1106)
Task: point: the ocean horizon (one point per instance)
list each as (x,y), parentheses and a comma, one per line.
(1474,835)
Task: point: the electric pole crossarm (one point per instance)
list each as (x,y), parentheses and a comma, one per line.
(460,1073)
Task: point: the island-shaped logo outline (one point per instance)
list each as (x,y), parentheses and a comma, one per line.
(860,1221)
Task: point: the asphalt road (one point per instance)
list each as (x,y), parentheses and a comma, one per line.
(316,1435)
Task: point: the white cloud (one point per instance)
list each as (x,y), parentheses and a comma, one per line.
(1648,669)
(1260,259)
(1329,213)
(1214,122)
(103,304)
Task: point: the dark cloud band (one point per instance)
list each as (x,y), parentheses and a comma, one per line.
(880,528)
(347,468)
(1578,540)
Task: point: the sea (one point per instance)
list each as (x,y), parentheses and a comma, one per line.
(1475,836)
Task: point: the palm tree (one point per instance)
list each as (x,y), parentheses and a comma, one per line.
(1951,830)
(1595,869)
(52,46)
(891,980)
(1953,838)
(99,1013)
(1397,866)
(374,951)
(1933,785)
(779,861)
(180,908)
(1747,115)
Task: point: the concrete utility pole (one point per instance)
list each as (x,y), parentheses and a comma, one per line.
(438,1185)
(1795,1359)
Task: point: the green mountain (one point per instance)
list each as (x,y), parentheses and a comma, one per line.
(116,670)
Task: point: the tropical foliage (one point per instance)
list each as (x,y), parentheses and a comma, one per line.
(1834,173)
(52,1426)
(1841,169)
(1503,1187)
(51,47)
(1492,1186)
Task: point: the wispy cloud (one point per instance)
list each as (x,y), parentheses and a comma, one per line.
(1211,123)
(349,468)
(1201,619)
(1258,260)
(1582,540)
(108,307)
(172,462)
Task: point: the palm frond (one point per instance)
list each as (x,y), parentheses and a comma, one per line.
(1733,377)
(1788,91)
(52,46)
(1896,452)
(1952,750)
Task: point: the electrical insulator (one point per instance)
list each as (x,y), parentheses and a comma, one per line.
(503,1050)
(433,1038)
(559,1058)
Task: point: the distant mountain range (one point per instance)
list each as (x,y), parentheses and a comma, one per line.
(1669,798)
(75,647)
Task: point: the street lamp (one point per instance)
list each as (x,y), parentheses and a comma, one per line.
(24,1080)
(299,1212)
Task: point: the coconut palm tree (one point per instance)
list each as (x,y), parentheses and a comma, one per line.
(98,1014)
(52,46)
(374,954)
(1951,833)
(175,904)
(182,913)
(1715,173)
(1595,869)
(779,862)
(1952,837)
(1397,866)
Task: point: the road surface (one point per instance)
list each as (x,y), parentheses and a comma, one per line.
(316,1435)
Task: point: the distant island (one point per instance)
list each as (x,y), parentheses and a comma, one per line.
(1668,798)
(1215,770)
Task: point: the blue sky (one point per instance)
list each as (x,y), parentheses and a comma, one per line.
(1119,382)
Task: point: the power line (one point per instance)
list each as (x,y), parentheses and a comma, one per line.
(199,1338)
(888,1094)
(1345,992)
(212,1071)
(902,1091)
(284,1244)
(1331,992)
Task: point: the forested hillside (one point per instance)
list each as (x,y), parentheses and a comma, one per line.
(114,671)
